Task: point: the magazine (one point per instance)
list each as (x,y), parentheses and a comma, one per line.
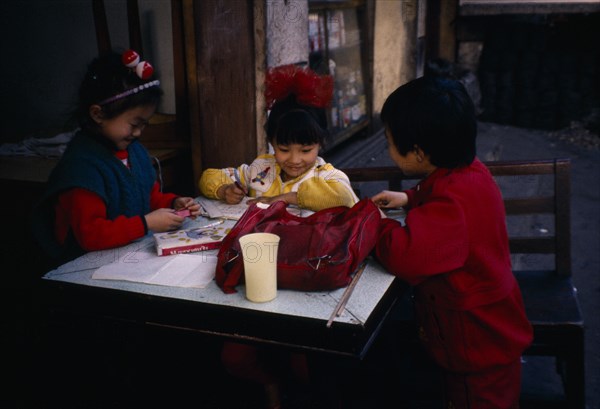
(207,237)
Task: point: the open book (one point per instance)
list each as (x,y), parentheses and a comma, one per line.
(217,209)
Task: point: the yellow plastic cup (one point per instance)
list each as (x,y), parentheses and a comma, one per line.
(259,251)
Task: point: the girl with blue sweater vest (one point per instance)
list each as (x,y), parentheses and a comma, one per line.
(104,193)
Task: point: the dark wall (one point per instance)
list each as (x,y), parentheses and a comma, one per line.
(45,45)
(540,71)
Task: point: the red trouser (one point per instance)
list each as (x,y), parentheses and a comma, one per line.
(498,388)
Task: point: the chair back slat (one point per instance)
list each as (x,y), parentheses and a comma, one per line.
(529,206)
(532,245)
(533,203)
(373,174)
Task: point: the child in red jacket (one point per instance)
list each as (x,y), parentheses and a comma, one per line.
(453,248)
(104,193)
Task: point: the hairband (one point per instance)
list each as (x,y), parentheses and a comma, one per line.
(307,86)
(144,71)
(129,92)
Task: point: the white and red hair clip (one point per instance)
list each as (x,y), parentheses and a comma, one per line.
(143,69)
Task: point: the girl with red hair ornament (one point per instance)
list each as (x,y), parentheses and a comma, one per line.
(295,173)
(296,130)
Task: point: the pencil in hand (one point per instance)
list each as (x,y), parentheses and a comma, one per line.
(238,182)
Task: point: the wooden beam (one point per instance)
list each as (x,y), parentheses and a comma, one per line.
(101,25)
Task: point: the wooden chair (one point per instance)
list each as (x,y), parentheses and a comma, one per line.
(537,200)
(168,136)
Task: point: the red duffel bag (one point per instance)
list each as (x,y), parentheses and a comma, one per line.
(316,253)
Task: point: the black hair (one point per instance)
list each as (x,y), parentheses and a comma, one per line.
(291,122)
(298,126)
(437,115)
(439,67)
(107,76)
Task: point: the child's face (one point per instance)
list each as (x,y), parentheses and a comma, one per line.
(122,130)
(414,163)
(295,159)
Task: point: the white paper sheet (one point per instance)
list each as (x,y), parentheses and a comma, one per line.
(181,270)
(219,209)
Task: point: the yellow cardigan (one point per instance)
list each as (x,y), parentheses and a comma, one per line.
(320,187)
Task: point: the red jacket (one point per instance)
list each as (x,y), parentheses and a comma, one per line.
(454,250)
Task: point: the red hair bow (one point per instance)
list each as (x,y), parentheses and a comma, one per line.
(309,88)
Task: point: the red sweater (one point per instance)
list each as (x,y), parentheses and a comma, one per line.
(84,213)
(454,250)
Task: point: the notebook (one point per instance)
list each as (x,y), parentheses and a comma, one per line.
(217,209)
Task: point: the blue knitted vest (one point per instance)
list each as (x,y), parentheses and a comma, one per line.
(90,164)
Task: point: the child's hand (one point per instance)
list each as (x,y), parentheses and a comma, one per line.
(188,203)
(161,220)
(231,193)
(390,200)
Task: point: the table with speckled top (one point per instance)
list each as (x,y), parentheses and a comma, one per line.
(294,319)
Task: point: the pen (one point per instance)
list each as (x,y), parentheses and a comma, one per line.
(238,181)
(203,210)
(213,224)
